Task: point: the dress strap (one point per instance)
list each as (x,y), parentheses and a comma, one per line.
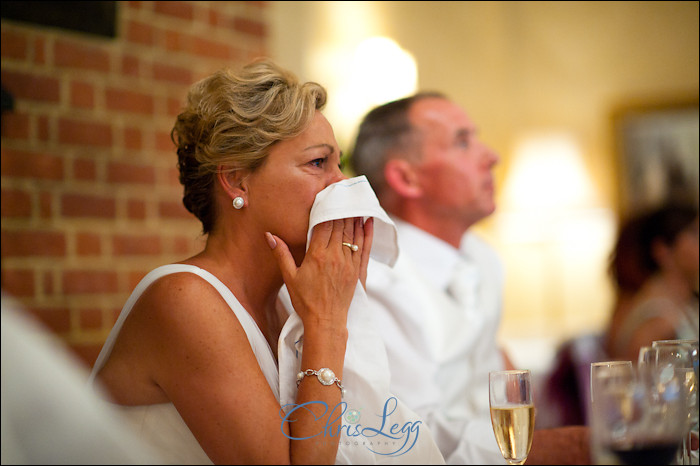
(257,340)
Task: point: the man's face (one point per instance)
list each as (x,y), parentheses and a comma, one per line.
(455,170)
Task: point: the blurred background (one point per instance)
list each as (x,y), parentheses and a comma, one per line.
(592,107)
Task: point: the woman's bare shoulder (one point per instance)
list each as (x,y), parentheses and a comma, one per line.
(164,334)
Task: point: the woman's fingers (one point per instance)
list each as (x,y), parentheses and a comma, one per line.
(285,260)
(366,237)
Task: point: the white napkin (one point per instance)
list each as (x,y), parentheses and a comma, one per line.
(354,197)
(377,428)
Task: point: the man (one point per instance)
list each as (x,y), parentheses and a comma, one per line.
(432,174)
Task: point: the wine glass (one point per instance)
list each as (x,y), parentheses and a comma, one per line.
(681,356)
(610,384)
(512,413)
(637,417)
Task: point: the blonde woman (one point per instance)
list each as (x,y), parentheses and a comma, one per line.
(193,357)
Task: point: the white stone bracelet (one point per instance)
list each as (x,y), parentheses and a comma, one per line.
(324,375)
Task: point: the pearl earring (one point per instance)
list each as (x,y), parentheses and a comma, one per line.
(238,202)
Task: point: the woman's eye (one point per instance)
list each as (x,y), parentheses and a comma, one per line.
(318,162)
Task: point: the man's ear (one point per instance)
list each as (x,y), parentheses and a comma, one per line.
(401,176)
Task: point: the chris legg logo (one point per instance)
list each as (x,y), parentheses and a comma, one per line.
(406,435)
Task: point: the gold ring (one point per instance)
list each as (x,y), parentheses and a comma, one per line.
(353,247)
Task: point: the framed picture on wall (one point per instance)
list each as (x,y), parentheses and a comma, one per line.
(658,151)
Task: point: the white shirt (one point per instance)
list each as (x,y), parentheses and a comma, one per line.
(439,351)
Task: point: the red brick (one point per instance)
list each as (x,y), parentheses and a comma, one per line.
(164,143)
(89,281)
(43,131)
(174,106)
(33,243)
(84,169)
(175,41)
(14,45)
(130,245)
(40,51)
(70,54)
(23,164)
(82,95)
(133,138)
(140,33)
(129,101)
(131,66)
(180,10)
(173,209)
(48,282)
(45,201)
(90,319)
(173,176)
(136,209)
(174,74)
(120,172)
(88,244)
(15,203)
(85,205)
(18,283)
(247,26)
(31,86)
(210,48)
(15,125)
(55,320)
(84,133)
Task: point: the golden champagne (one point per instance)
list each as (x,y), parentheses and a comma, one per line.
(513,426)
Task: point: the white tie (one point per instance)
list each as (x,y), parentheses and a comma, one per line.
(464,285)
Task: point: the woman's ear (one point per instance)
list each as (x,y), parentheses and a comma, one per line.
(232,182)
(402,178)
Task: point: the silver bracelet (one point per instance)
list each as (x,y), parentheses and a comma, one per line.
(324,375)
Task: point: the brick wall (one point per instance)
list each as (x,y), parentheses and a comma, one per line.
(90,196)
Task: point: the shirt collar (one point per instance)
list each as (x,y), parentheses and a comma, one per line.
(435,257)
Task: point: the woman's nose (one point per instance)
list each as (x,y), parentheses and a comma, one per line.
(338,175)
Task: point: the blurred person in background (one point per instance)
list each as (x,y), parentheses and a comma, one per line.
(440,306)
(49,415)
(657,286)
(654,268)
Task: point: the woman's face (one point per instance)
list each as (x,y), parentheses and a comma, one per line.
(686,253)
(283,189)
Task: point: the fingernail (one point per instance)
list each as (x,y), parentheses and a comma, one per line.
(270,240)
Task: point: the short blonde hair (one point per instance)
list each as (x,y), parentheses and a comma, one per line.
(230,121)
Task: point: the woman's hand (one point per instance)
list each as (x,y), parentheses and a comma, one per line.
(322,288)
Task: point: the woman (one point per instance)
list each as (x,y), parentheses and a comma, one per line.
(663,304)
(199,379)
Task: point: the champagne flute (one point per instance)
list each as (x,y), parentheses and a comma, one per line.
(512,413)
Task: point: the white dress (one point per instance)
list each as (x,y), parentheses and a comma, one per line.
(161,425)
(377,428)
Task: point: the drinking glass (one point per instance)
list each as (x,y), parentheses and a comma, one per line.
(681,356)
(610,383)
(637,417)
(647,357)
(512,413)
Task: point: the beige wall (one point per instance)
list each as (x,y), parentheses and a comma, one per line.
(517,68)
